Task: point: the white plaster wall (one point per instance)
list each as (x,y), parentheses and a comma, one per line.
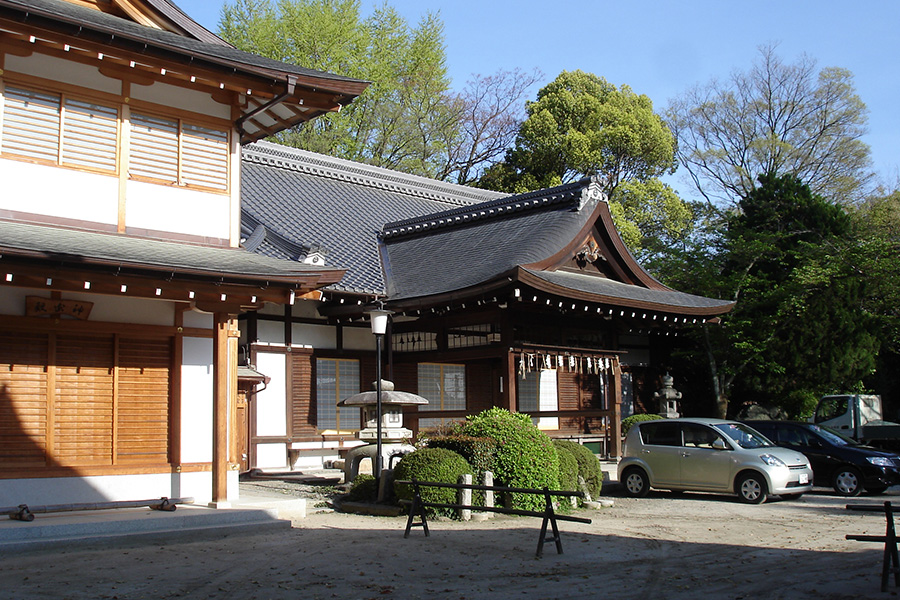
(317,336)
(359,338)
(270,403)
(63,71)
(107,488)
(199,319)
(182,98)
(271,456)
(59,192)
(197,400)
(167,208)
(109,309)
(270,332)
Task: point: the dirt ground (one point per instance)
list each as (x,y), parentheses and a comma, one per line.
(665,546)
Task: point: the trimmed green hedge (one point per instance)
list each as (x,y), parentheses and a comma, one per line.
(438,465)
(627,422)
(588,466)
(480,452)
(568,467)
(526,456)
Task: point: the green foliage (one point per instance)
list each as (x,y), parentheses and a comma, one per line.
(480,452)
(568,468)
(628,422)
(588,465)
(526,457)
(437,465)
(363,489)
(581,125)
(401,121)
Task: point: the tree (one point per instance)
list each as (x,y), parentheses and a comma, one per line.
(401,120)
(788,257)
(581,125)
(488,110)
(776,118)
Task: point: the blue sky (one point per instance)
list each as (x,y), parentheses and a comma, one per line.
(660,48)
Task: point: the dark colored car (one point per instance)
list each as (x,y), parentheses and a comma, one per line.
(837,461)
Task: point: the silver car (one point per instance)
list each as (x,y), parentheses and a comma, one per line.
(710,455)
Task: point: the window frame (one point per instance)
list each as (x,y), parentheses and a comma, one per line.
(352,412)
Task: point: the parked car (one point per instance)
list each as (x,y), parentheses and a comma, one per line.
(710,455)
(837,460)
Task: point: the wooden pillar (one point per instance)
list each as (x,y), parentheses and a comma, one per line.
(221,376)
(615,421)
(508,396)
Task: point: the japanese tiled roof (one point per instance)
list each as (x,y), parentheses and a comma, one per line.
(294,202)
(81,248)
(437,239)
(194,46)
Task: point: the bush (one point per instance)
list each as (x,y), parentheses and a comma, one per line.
(627,422)
(588,466)
(568,467)
(437,465)
(480,452)
(526,457)
(363,489)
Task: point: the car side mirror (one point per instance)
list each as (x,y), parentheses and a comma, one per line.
(719,444)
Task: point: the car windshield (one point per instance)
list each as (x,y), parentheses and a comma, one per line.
(744,436)
(832,436)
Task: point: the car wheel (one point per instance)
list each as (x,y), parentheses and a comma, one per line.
(636,482)
(847,482)
(876,490)
(751,488)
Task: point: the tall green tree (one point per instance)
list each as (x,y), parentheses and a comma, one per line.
(400,121)
(777,117)
(582,125)
(800,327)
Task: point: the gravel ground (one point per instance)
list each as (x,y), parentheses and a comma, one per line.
(665,546)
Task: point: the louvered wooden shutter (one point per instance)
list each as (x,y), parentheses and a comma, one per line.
(142,408)
(89,135)
(154,147)
(204,157)
(23,399)
(31,124)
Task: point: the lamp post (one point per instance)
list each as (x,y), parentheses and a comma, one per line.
(379,318)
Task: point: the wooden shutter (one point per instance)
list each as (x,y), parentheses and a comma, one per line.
(154,147)
(89,135)
(31,124)
(204,157)
(142,406)
(23,399)
(84,400)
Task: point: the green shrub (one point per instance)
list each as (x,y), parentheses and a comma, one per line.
(627,422)
(568,467)
(526,457)
(437,465)
(363,489)
(588,466)
(480,452)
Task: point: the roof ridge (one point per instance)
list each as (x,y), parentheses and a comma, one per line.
(286,157)
(566,193)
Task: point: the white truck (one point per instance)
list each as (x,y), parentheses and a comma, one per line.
(859,416)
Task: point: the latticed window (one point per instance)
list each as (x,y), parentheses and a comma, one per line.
(336,379)
(444,386)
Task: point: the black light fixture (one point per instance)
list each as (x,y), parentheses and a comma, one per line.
(379,319)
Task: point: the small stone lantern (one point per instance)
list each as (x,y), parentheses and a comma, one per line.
(394,437)
(668,398)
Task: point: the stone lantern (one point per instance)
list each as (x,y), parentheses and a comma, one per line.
(395,439)
(668,398)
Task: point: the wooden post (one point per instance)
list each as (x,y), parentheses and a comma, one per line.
(615,421)
(220,411)
(508,397)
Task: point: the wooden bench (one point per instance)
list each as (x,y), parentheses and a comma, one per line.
(418,506)
(890,561)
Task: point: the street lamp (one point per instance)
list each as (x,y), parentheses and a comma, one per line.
(379,318)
